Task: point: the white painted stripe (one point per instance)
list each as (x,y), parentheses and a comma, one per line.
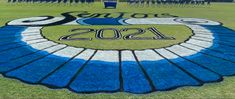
(167,54)
(194,26)
(182,51)
(25,38)
(207,36)
(147,55)
(30,34)
(108,56)
(196,21)
(54,48)
(43,22)
(68,52)
(197,28)
(200,43)
(206,39)
(85,55)
(32,30)
(208,33)
(201,30)
(197,48)
(42,45)
(151,21)
(37,40)
(127,56)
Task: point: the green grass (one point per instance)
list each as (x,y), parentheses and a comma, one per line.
(180,33)
(222,12)
(14,89)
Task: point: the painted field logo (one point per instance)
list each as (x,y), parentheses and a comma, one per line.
(204,57)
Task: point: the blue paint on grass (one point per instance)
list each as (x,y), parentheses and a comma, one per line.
(23,62)
(62,76)
(100,21)
(134,80)
(97,76)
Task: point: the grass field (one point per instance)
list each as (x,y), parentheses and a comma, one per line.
(222,12)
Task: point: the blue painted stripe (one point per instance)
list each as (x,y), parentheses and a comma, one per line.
(196,70)
(216,64)
(13,39)
(10,30)
(226,43)
(9,42)
(12,35)
(225,49)
(18,62)
(166,76)
(215,41)
(227,38)
(217,54)
(101,21)
(223,39)
(134,80)
(220,30)
(9,46)
(35,71)
(97,76)
(17,52)
(62,77)
(8,36)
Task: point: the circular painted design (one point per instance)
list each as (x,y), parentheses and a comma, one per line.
(206,57)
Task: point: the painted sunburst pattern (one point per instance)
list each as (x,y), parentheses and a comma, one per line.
(205,57)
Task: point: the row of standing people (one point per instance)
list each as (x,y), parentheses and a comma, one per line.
(51,1)
(169,1)
(129,1)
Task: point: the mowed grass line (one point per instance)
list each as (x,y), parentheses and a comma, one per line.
(12,89)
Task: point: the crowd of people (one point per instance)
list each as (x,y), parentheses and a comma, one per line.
(197,2)
(51,1)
